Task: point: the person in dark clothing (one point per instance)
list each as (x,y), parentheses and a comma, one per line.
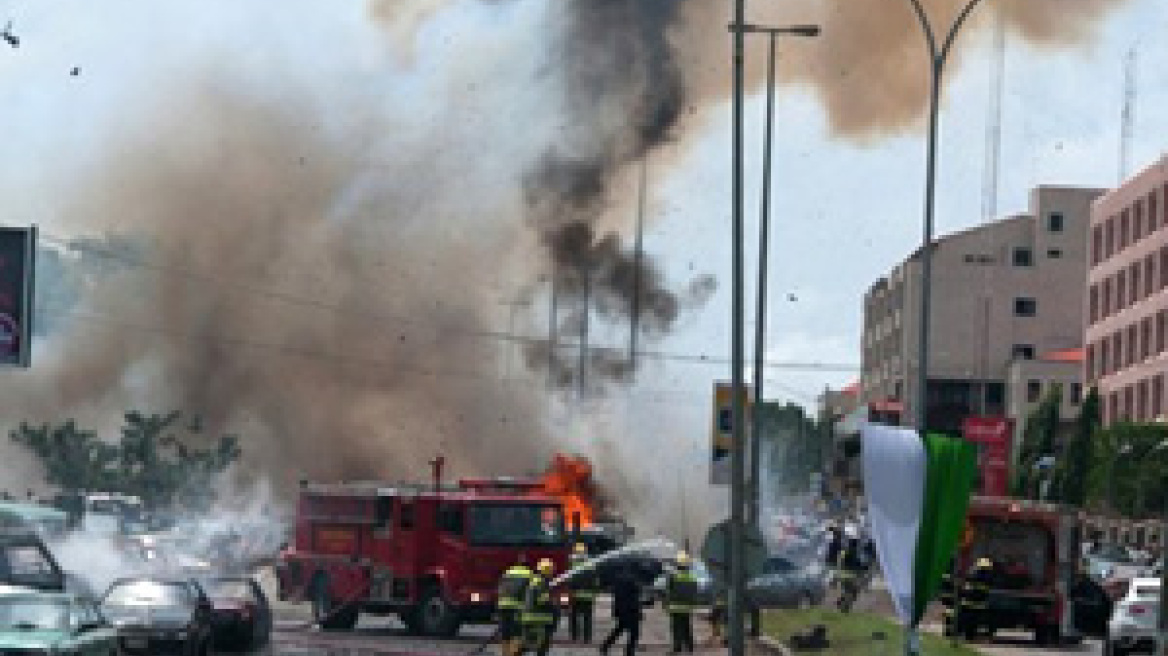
(835,542)
(626,610)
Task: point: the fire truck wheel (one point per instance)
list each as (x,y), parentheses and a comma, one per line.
(435,615)
(1046,635)
(325,611)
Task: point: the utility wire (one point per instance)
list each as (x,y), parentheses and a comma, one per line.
(398,319)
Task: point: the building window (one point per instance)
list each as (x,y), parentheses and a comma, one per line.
(1124,229)
(1121,290)
(1033,391)
(1054,253)
(1164,266)
(1145,338)
(1160,332)
(1132,340)
(1157,396)
(1142,401)
(1090,362)
(1023,352)
(1023,257)
(1153,215)
(1104,353)
(1149,275)
(1096,245)
(1117,351)
(1054,222)
(1128,400)
(1106,298)
(1025,306)
(1134,278)
(1138,221)
(1093,304)
(1076,393)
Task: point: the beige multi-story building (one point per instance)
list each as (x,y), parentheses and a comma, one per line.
(1127,317)
(1004,291)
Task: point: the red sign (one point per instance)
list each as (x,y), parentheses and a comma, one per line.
(992,435)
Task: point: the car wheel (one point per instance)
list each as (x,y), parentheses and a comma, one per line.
(436,616)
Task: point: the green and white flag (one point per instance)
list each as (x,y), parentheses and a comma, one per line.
(918,493)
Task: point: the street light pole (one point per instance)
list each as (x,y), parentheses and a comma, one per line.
(754,496)
(938,55)
(737,587)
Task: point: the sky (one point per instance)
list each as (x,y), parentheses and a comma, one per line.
(844,213)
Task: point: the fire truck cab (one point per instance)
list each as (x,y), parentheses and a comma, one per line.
(432,555)
(1034,548)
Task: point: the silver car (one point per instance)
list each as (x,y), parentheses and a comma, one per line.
(784,584)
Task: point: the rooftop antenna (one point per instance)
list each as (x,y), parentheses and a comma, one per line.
(1129,112)
(993,150)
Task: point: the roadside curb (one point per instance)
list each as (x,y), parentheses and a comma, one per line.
(772,646)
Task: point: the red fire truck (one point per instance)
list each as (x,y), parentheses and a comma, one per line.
(430,554)
(1034,548)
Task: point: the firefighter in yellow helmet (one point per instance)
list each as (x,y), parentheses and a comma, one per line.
(973,599)
(511,595)
(681,599)
(584,586)
(539,610)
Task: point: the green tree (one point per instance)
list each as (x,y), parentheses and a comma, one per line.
(1129,468)
(1072,476)
(1038,440)
(157,458)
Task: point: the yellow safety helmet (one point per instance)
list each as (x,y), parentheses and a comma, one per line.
(581,549)
(683,559)
(984,563)
(545,567)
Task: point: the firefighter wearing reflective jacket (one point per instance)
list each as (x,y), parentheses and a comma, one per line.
(681,598)
(511,595)
(539,610)
(583,587)
(973,600)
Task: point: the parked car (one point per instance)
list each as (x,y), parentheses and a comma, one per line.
(54,623)
(1133,624)
(241,617)
(784,584)
(160,616)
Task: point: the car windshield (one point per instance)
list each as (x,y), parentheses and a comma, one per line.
(229,589)
(149,593)
(1148,591)
(518,525)
(30,613)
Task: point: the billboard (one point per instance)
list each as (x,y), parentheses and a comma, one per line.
(722,431)
(993,438)
(17,254)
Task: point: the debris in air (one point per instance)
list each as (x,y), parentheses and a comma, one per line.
(9,37)
(75,71)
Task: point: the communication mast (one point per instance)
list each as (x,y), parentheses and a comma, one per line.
(993,147)
(1127,126)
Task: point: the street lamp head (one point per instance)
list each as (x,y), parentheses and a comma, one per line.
(806,30)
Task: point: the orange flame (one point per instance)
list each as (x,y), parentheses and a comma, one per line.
(569,479)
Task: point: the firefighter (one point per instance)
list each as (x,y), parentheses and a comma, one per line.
(973,601)
(948,599)
(681,597)
(511,595)
(583,587)
(539,610)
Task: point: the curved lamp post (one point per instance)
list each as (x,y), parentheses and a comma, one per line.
(938,55)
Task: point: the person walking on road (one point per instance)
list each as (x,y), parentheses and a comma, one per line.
(681,596)
(539,610)
(626,610)
(512,594)
(583,588)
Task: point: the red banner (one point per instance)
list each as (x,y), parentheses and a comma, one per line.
(993,437)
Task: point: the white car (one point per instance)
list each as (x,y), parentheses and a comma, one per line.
(1133,624)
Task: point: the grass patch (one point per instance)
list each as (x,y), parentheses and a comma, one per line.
(852,634)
